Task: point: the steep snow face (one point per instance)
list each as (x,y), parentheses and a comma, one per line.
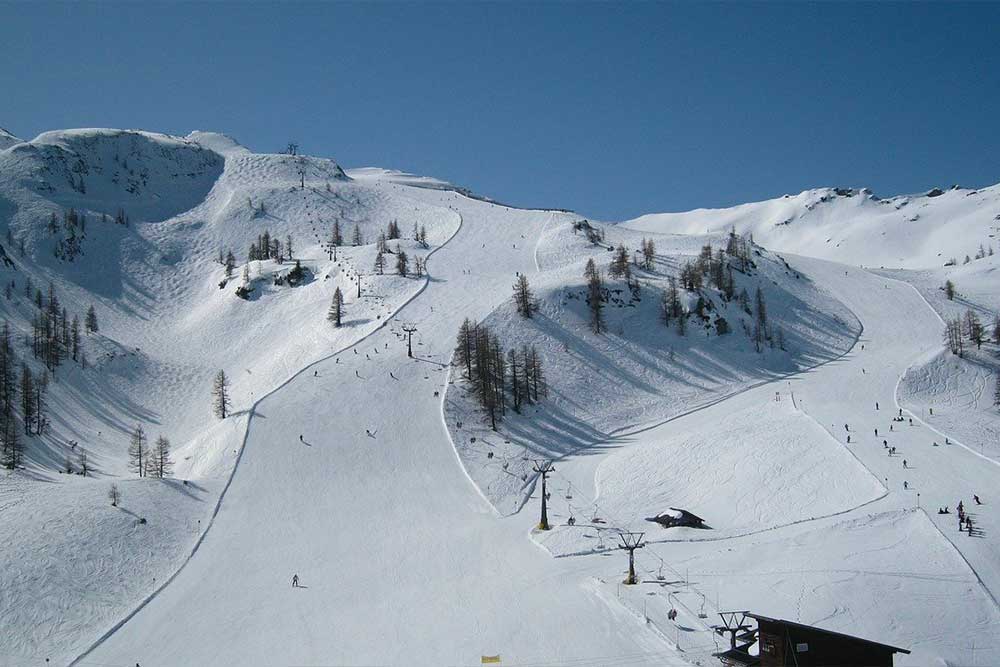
(152,176)
(855,226)
(7,139)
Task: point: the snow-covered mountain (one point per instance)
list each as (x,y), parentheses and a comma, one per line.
(7,139)
(759,401)
(855,226)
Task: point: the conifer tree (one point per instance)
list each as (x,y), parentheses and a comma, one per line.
(595,300)
(137,451)
(27,398)
(523,297)
(379,262)
(465,346)
(41,387)
(619,265)
(90,322)
(356,235)
(161,465)
(336,308)
(648,254)
(75,338)
(220,395)
(402,262)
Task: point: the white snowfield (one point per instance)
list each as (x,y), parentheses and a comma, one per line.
(343,462)
(855,226)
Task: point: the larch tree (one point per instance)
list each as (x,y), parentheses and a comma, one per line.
(619,264)
(379,261)
(220,395)
(114,495)
(137,451)
(595,301)
(161,465)
(336,308)
(356,239)
(523,297)
(402,262)
(648,254)
(27,398)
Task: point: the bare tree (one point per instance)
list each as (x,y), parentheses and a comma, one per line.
(137,452)
(220,395)
(114,495)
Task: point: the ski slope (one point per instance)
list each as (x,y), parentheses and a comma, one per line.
(345,461)
(876,567)
(386,532)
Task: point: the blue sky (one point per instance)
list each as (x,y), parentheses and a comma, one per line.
(609,109)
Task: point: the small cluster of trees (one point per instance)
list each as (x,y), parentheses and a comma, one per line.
(402,260)
(32,401)
(420,235)
(494,374)
(392,230)
(969,326)
(266,247)
(75,226)
(54,335)
(594,234)
(148,461)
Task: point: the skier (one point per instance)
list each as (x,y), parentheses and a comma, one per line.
(393,376)
(885,443)
(357,374)
(846,427)
(315,374)
(295,581)
(876,405)
(932,411)
(876,433)
(905,485)
(890,427)
(300,438)
(904,463)
(961,507)
(976,498)
(848,439)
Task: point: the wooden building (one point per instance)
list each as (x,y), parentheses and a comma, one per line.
(780,643)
